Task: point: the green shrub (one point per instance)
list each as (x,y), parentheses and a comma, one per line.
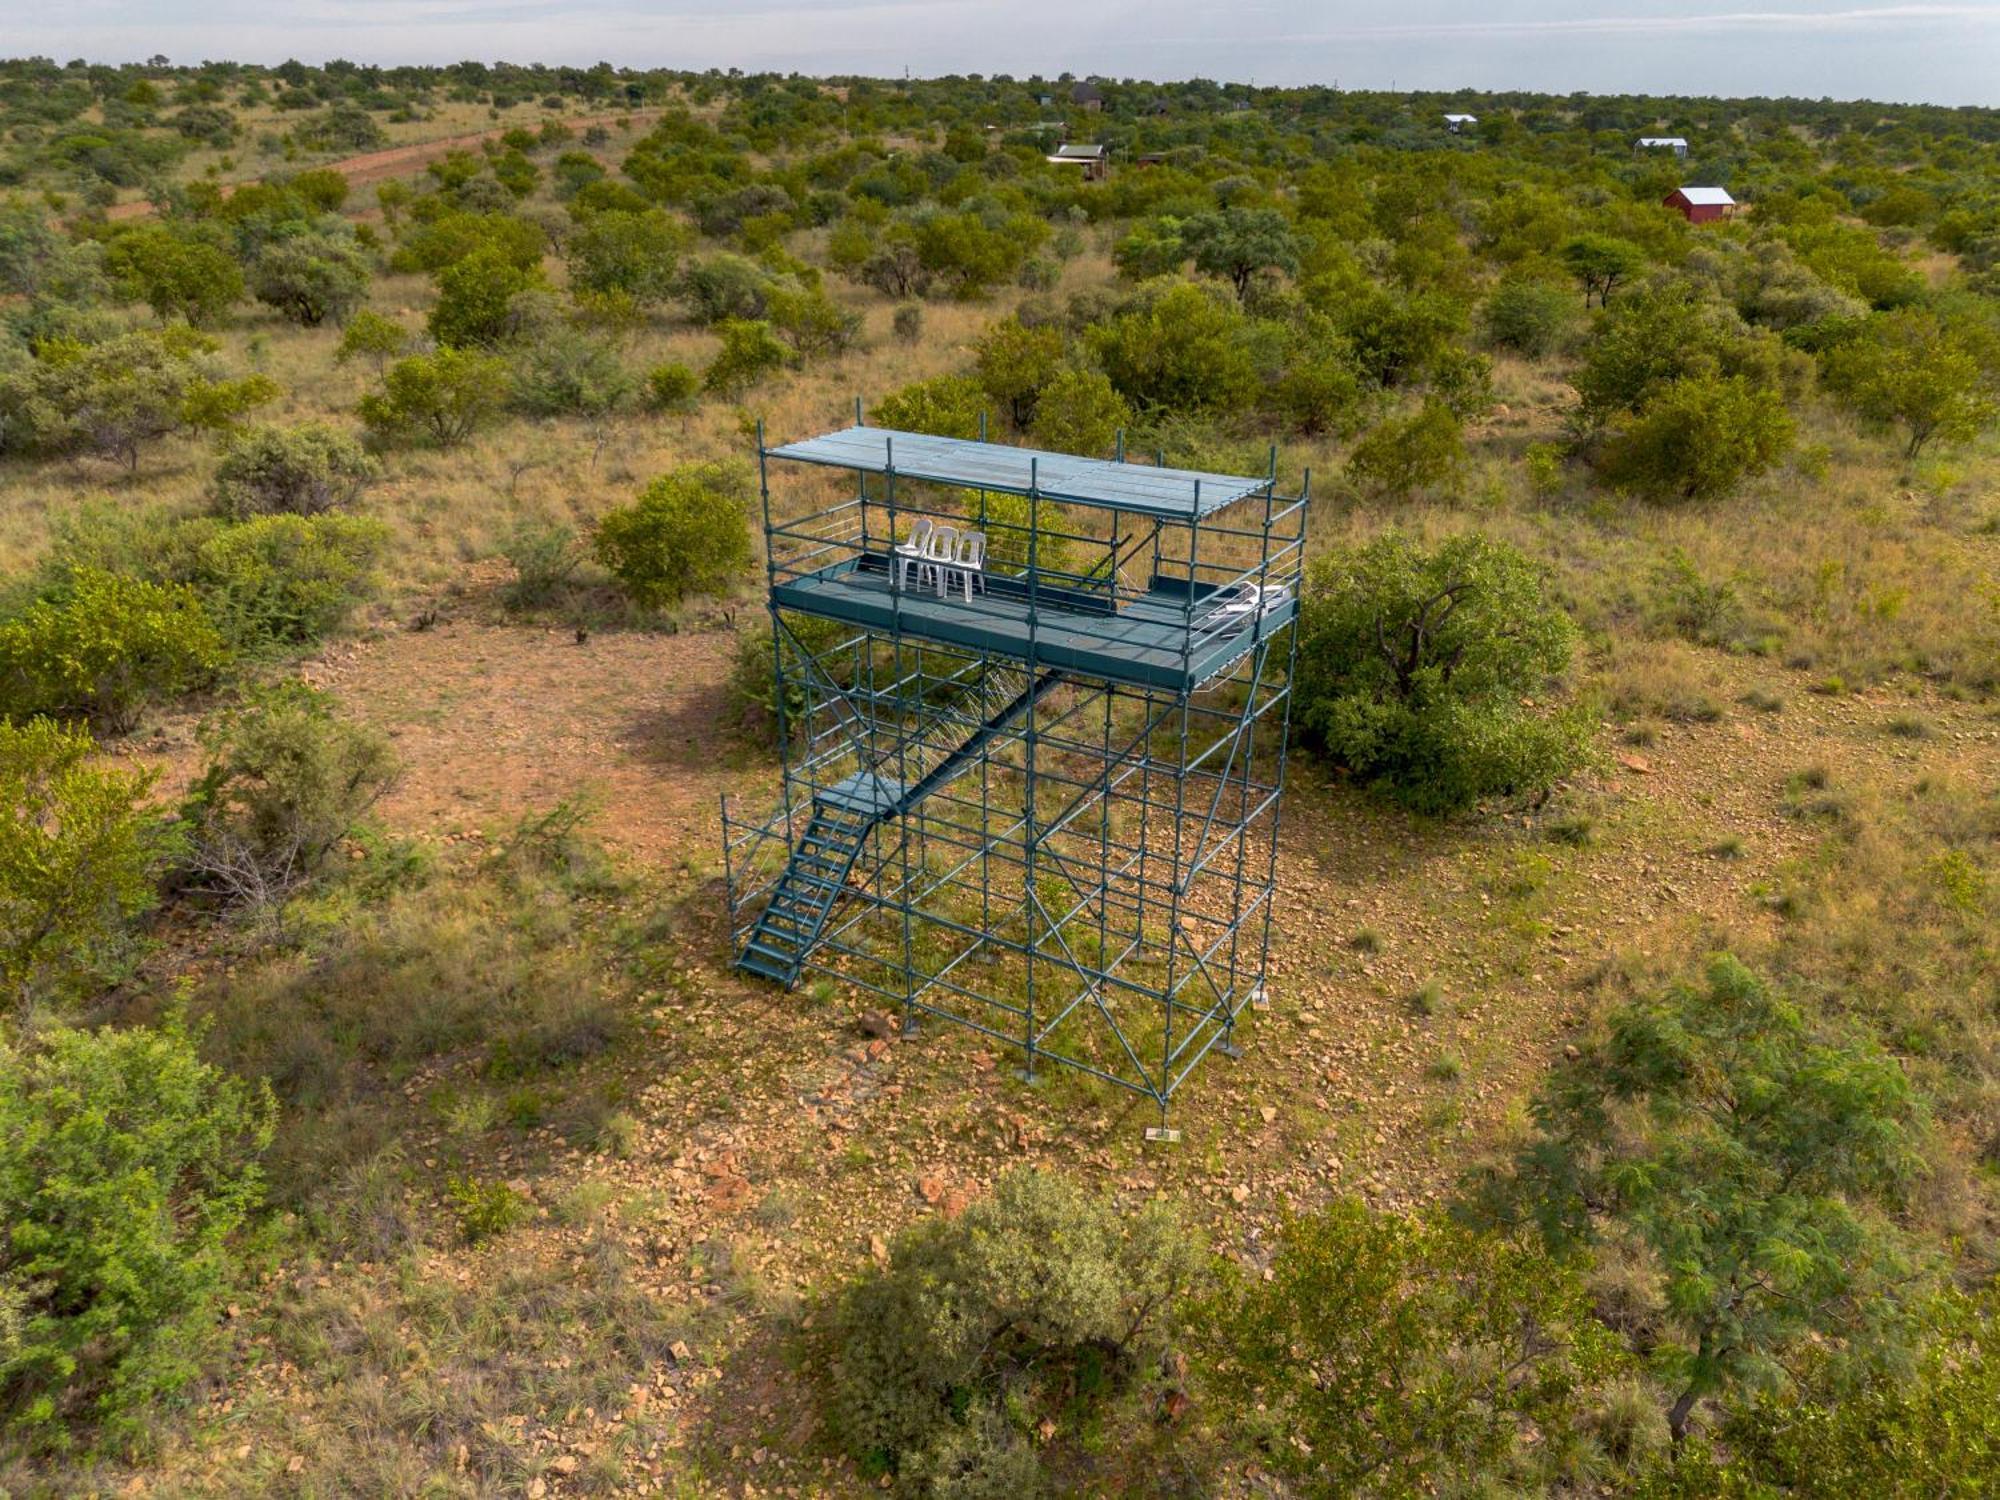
(283,580)
(1909,369)
(686,533)
(908,323)
(1750,1154)
(1414,664)
(126,1165)
(1183,348)
(944,406)
(370,335)
(1320,391)
(753,684)
(1535,317)
(750,351)
(1699,438)
(1600,262)
(311,278)
(1422,452)
(475,298)
(939,1367)
(484,1209)
(176,274)
(302,471)
(545,557)
(286,780)
(637,254)
(566,372)
(812,323)
(1387,1353)
(1014,363)
(725,288)
(78,848)
(671,387)
(446,396)
(1079,412)
(104,648)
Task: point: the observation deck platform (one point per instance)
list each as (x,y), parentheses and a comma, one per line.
(1152,639)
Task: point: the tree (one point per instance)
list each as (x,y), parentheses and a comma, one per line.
(944,406)
(475,297)
(1036,1301)
(1533,316)
(1748,1156)
(1153,248)
(1014,362)
(126,1166)
(1386,1352)
(1321,390)
(78,851)
(1404,456)
(103,647)
(812,322)
(895,269)
(113,398)
(286,780)
(1078,412)
(1655,337)
(973,254)
(301,470)
(1600,262)
(1414,664)
(638,254)
(370,335)
(176,274)
(686,533)
(1909,368)
(1180,347)
(750,351)
(310,278)
(1699,438)
(1239,244)
(448,396)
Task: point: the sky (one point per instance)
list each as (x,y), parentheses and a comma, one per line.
(1947,52)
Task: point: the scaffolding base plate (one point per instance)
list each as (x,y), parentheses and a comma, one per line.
(1162,1135)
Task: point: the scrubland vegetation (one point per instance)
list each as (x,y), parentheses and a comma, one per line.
(1629,1118)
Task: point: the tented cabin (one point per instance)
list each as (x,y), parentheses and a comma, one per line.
(1701,205)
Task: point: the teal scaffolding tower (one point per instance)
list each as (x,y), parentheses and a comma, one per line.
(1037,796)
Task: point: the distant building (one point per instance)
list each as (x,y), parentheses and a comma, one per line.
(1094,160)
(1456,123)
(1701,205)
(1671,143)
(1086,96)
(1045,100)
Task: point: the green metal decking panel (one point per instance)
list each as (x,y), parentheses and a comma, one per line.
(1142,644)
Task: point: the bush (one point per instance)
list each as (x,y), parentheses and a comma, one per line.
(370,335)
(1413,666)
(908,323)
(723,288)
(475,298)
(1535,317)
(1699,438)
(944,406)
(637,254)
(671,387)
(103,648)
(126,1165)
(749,352)
(286,780)
(1079,412)
(446,396)
(1422,452)
(282,580)
(78,848)
(175,274)
(1910,369)
(544,556)
(565,372)
(301,471)
(686,533)
(1321,390)
(812,322)
(1388,1353)
(111,399)
(311,278)
(1183,348)
(1014,362)
(940,1366)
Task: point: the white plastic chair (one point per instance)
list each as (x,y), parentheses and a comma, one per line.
(911,551)
(940,549)
(968,563)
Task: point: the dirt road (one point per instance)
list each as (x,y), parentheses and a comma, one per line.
(400,161)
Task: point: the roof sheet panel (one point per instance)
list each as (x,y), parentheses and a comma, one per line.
(1143,488)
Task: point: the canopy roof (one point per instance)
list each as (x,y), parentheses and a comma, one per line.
(1706,196)
(1145,489)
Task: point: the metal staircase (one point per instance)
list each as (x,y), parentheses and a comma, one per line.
(847,812)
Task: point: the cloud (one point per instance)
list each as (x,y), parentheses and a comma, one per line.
(1718,22)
